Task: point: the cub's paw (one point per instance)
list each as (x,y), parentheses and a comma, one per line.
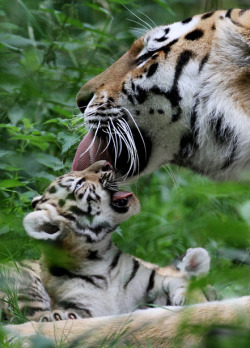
(57,315)
(179,298)
(195,263)
(176,289)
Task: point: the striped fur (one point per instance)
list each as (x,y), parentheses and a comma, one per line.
(78,213)
(179,95)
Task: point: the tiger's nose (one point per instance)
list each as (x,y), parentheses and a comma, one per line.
(83,98)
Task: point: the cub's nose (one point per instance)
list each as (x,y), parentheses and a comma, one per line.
(107,167)
(83,98)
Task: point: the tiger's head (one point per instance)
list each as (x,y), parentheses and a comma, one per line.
(87,203)
(175,97)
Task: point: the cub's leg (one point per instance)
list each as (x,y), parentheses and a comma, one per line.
(21,286)
(195,263)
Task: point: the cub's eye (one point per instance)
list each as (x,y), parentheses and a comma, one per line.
(79,184)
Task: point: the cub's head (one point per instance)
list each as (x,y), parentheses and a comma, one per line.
(86,202)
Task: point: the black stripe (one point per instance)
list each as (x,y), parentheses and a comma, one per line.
(231,157)
(74,209)
(207,15)
(141,94)
(152,70)
(30,311)
(173,95)
(193,126)
(68,216)
(75,306)
(228,13)
(147,55)
(203,62)
(115,260)
(161,39)
(31,297)
(36,200)
(182,61)
(90,280)
(61,271)
(243,11)
(151,281)
(186,146)
(194,35)
(136,266)
(223,134)
(187,20)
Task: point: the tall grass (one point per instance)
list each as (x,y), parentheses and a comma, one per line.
(48,49)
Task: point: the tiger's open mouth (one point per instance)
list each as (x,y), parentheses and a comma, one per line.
(129,154)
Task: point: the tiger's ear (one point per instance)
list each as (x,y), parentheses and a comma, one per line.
(39,225)
(234,43)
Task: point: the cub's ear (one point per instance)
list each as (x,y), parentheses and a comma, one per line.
(195,263)
(39,225)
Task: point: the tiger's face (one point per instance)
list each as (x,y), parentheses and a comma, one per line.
(170,99)
(86,202)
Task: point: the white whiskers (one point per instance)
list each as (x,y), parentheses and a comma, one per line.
(118,133)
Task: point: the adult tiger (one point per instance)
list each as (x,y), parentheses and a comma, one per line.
(179,95)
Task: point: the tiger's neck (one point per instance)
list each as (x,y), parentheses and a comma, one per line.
(216,140)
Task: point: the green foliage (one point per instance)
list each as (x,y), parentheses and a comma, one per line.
(48,49)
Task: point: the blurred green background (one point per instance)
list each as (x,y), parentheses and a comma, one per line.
(48,49)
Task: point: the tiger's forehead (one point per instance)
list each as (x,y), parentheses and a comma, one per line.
(166,33)
(194,33)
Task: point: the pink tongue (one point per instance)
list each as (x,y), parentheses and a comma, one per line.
(121,195)
(90,151)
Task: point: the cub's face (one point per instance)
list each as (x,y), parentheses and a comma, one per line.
(87,202)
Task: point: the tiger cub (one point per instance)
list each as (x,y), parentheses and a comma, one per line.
(77,214)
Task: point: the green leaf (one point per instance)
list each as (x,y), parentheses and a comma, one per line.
(67,140)
(6,152)
(45,175)
(15,114)
(97,8)
(58,120)
(9,183)
(49,161)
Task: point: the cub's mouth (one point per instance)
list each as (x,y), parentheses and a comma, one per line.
(127,150)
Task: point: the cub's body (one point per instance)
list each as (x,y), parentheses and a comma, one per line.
(77,214)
